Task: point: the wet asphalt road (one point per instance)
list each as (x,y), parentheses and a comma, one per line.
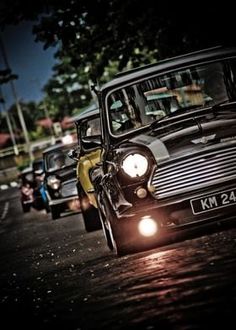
(54,275)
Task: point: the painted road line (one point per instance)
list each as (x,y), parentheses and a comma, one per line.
(5,210)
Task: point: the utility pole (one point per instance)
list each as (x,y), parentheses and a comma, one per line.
(44,106)
(18,107)
(48,117)
(9,125)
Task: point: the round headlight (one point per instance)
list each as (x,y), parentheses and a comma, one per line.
(135,165)
(53,182)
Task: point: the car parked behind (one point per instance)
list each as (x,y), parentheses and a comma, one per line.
(87,154)
(60,180)
(26,189)
(38,178)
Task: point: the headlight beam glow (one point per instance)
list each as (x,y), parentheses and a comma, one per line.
(147,226)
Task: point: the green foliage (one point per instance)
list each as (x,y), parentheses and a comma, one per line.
(6,75)
(32,113)
(38,133)
(93,33)
(97,38)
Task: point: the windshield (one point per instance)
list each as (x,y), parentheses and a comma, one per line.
(58,159)
(142,103)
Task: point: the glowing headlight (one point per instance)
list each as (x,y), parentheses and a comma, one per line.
(53,182)
(135,165)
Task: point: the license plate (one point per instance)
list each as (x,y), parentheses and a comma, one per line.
(213,202)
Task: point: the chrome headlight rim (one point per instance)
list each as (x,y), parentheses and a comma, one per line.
(145,158)
(53,182)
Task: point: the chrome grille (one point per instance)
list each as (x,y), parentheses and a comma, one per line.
(68,188)
(194,172)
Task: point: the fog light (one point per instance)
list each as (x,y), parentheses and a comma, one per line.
(147,226)
(85,205)
(74,204)
(141,192)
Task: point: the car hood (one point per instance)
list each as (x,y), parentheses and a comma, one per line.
(189,136)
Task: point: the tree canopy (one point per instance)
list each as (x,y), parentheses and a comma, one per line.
(97,38)
(93,33)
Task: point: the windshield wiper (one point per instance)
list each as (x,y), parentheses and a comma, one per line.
(212,109)
(173,114)
(218,105)
(222,109)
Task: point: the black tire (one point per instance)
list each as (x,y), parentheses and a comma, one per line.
(55,212)
(38,203)
(117,233)
(26,207)
(89,212)
(106,231)
(47,208)
(91,219)
(120,235)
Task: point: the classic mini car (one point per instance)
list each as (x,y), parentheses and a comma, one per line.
(38,178)
(31,179)
(26,189)
(60,180)
(87,154)
(169,148)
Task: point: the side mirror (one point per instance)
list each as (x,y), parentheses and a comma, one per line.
(74,154)
(92,142)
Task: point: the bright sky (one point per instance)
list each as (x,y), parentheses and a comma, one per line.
(28,60)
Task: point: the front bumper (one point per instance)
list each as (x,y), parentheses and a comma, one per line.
(58,201)
(62,200)
(177,212)
(27,201)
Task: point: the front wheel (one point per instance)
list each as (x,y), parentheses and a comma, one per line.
(26,207)
(91,219)
(55,212)
(106,231)
(118,233)
(89,212)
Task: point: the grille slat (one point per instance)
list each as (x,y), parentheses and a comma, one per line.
(194,173)
(194,166)
(69,188)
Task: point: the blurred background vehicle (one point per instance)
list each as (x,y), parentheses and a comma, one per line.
(87,154)
(60,180)
(26,189)
(38,177)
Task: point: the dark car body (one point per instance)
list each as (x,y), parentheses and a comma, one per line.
(26,179)
(38,178)
(87,154)
(60,180)
(170,166)
(31,179)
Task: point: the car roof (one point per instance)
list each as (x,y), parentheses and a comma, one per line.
(26,170)
(58,146)
(89,112)
(213,53)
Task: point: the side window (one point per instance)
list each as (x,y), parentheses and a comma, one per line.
(214,83)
